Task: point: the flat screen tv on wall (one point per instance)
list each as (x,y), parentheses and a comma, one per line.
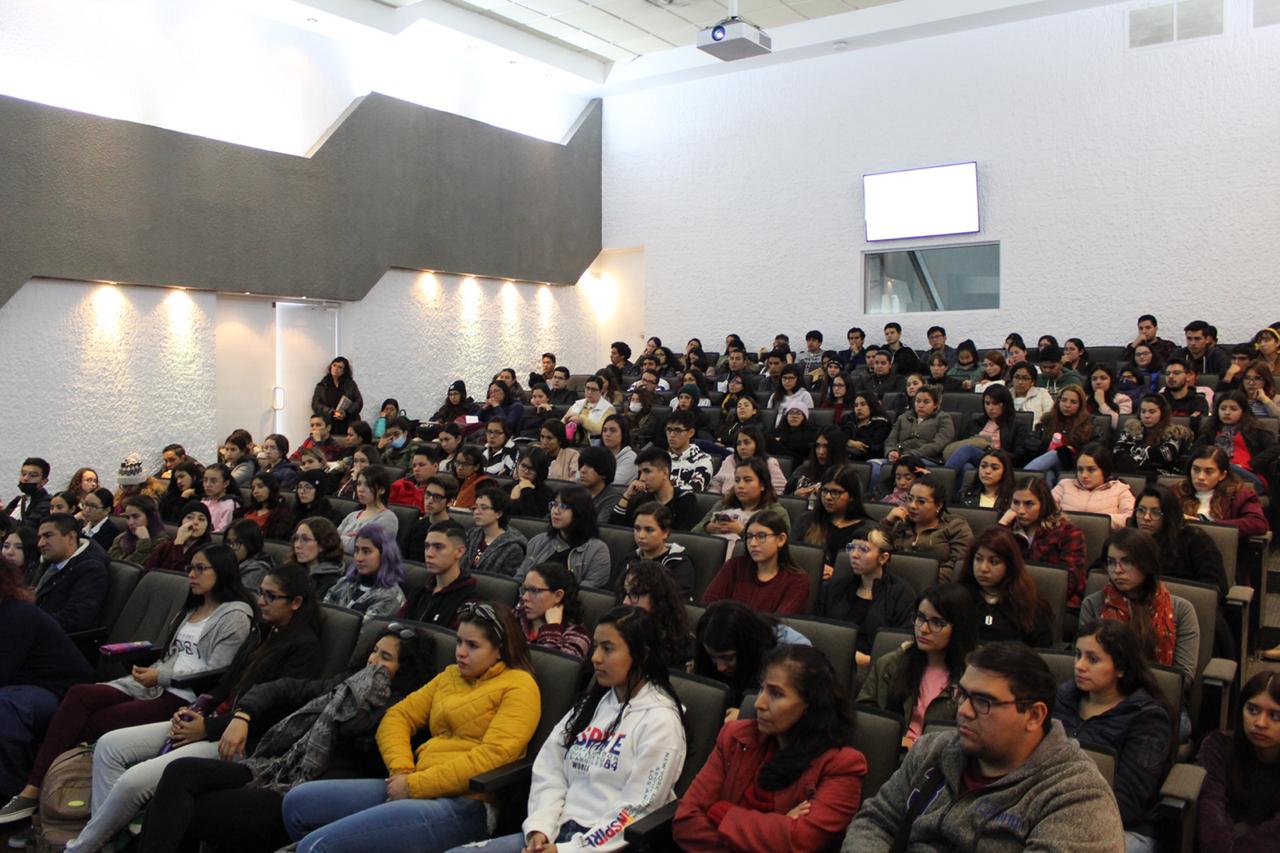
(926,202)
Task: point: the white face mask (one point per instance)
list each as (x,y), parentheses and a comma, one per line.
(635,407)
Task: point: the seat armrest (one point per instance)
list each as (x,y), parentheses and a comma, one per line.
(88,635)
(1183,784)
(1220,671)
(197,680)
(653,831)
(1239,596)
(140,657)
(501,778)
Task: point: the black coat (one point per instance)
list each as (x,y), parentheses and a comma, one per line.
(442,609)
(295,652)
(107,533)
(327,395)
(995,623)
(37,508)
(74,595)
(893,605)
(1015,438)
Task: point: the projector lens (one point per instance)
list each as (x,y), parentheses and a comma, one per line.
(717,34)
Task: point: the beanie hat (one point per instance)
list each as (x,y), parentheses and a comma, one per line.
(459,386)
(196,506)
(131,473)
(317,479)
(692,391)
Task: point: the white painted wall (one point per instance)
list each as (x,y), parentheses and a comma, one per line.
(1118,181)
(94,372)
(245,359)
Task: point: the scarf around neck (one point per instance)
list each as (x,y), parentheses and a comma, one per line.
(1163,627)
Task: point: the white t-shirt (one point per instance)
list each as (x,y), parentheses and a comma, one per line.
(186,645)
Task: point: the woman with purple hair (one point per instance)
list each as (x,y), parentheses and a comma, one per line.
(372,583)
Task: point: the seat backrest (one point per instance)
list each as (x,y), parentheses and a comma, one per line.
(621,541)
(864,476)
(498,589)
(462,516)
(1204,599)
(595,604)
(560,679)
(530,527)
(1061,663)
(122,579)
(878,737)
(1105,758)
(155,600)
(888,640)
(796,509)
(705,501)
(1095,582)
(1227,538)
(821,418)
(810,558)
(338,634)
(786,465)
(1102,429)
(416,577)
(1096,528)
(979,519)
(406,518)
(835,639)
(280,552)
(694,612)
(707,553)
(704,704)
(947,477)
(920,572)
(876,511)
(1051,581)
(342,507)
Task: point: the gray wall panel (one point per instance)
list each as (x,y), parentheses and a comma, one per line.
(394,185)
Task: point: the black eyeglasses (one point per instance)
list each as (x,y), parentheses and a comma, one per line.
(935,623)
(271,597)
(982,705)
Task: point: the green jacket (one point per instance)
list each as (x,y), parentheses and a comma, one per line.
(878,690)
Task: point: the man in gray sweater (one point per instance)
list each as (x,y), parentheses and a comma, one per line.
(1008,779)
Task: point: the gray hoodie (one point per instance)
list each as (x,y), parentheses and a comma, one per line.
(227,629)
(503,556)
(1055,801)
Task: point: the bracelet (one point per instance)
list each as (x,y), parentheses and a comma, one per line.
(242,715)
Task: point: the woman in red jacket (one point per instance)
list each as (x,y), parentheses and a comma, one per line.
(787,780)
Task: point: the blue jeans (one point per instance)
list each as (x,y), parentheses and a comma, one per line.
(354,815)
(25,712)
(515,843)
(1250,478)
(1049,462)
(964,457)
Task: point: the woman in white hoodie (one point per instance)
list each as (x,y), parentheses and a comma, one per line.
(614,757)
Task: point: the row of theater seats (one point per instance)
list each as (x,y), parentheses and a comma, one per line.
(140,606)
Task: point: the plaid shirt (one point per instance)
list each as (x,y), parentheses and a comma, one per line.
(1062,544)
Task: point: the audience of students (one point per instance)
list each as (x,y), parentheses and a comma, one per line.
(550,612)
(923,527)
(766,577)
(572,537)
(1005,596)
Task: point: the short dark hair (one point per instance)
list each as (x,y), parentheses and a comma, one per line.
(499,499)
(39,463)
(448,482)
(365,432)
(104,495)
(654,456)
(623,349)
(64,522)
(1181,362)
(174,448)
(660,513)
(897,327)
(1247,349)
(550,355)
(450,528)
(282,443)
(1149,318)
(813,335)
(684,418)
(562,369)
(434,452)
(1050,354)
(853,329)
(600,460)
(1030,679)
(779,354)
(1197,326)
(933,329)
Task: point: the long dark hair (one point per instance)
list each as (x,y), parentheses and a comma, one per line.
(667,605)
(648,666)
(498,622)
(583,527)
(1144,552)
(1172,525)
(1248,422)
(1076,430)
(146,505)
(250,535)
(1005,488)
(756,433)
(228,586)
(295,582)
(954,604)
(1018,586)
(417,662)
(560,579)
(776,521)
(1120,642)
(828,722)
(1244,757)
(1109,395)
(273,500)
(768,497)
(845,476)
(30,557)
(837,449)
(731,626)
(1001,395)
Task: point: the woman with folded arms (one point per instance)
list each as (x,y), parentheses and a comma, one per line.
(615,756)
(787,780)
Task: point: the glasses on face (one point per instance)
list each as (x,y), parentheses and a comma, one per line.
(494,432)
(634,594)
(271,597)
(1150,512)
(435,496)
(981,704)
(85,505)
(533,590)
(1252,377)
(859,547)
(1121,563)
(462,464)
(232,543)
(757,537)
(675,430)
(198,568)
(557,506)
(935,623)
(828,492)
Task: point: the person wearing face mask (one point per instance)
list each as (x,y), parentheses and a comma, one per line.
(32,503)
(786,780)
(95,512)
(399,446)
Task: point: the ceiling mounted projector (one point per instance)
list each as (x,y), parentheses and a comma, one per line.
(734,38)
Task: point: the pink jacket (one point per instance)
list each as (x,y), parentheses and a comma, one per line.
(722,482)
(1112,498)
(832,784)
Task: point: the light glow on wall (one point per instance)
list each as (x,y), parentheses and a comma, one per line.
(108,309)
(469,299)
(600,290)
(180,309)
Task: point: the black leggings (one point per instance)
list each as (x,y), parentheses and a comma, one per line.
(208,800)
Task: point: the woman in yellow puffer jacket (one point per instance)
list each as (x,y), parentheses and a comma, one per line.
(480,712)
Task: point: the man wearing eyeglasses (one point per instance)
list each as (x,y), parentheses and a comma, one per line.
(450,586)
(1007,779)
